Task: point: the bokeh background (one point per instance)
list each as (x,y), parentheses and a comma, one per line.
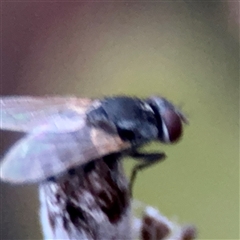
(185,51)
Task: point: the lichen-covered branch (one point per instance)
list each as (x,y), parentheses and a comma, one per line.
(91,202)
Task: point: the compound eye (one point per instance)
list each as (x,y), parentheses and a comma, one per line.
(172,126)
(170,120)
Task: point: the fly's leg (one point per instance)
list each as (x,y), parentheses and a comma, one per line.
(148,160)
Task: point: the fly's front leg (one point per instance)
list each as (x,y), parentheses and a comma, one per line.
(148,159)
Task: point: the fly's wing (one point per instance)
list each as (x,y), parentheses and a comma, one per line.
(43,154)
(26,113)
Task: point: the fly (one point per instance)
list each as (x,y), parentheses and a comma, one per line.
(63,133)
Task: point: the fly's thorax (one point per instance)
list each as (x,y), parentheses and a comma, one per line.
(131,118)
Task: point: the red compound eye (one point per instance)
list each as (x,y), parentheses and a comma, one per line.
(172,130)
(170,120)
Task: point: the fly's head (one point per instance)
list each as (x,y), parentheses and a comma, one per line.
(170,120)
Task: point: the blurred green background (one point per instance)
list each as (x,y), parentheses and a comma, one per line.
(185,51)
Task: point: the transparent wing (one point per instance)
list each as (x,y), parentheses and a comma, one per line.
(44,154)
(23,113)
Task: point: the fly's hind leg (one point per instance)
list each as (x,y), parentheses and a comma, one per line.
(148,159)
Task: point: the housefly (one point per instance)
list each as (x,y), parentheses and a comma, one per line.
(63,133)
